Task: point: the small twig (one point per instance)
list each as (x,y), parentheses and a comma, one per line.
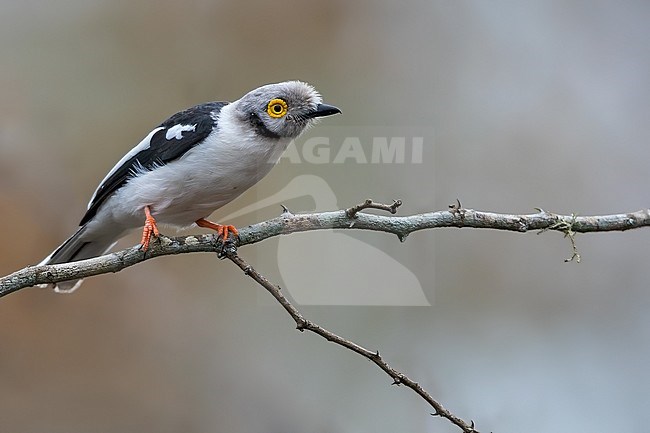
(369,204)
(303,324)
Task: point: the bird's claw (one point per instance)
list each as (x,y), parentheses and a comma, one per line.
(222,230)
(150,228)
(227,244)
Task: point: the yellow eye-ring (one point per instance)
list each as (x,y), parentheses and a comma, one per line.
(277,108)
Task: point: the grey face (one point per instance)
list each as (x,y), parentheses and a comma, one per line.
(282,110)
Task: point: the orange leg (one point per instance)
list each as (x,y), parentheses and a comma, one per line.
(150,228)
(223,231)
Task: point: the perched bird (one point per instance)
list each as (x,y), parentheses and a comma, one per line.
(195,162)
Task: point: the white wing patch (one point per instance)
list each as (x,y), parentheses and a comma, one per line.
(176,131)
(144,144)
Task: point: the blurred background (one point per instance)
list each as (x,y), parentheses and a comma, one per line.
(521,105)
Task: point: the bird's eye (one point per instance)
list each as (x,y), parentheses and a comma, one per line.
(277,108)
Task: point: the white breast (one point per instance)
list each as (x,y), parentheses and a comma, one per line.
(227,163)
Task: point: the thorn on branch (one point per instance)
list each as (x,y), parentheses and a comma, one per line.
(369,204)
(457,209)
(398,379)
(301,324)
(286,211)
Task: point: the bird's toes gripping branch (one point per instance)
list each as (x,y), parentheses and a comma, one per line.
(222,231)
(150,228)
(228,244)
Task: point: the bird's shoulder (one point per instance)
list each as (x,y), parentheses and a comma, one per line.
(165,143)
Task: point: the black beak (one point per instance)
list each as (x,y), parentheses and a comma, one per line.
(323,110)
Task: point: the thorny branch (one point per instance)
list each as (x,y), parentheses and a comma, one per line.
(350,218)
(287,223)
(303,324)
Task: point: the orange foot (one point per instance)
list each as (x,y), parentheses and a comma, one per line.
(150,228)
(223,231)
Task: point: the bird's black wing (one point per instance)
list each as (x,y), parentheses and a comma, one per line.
(192,126)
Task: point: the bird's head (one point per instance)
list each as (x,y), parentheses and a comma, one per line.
(282,110)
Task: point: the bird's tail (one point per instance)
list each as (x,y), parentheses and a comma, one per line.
(77,247)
